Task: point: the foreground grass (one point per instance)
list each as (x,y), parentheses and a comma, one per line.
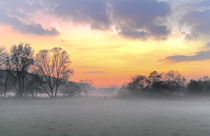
(99,116)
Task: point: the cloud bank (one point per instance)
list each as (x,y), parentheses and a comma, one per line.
(203,55)
(13,13)
(197,20)
(141,19)
(134,19)
(22,27)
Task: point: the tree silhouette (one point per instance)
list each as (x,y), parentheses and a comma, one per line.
(54,67)
(155,84)
(7,75)
(21,60)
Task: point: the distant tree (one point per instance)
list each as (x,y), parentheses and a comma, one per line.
(123,91)
(2,56)
(86,85)
(71,89)
(200,86)
(175,81)
(2,72)
(155,84)
(154,77)
(54,67)
(35,85)
(138,84)
(206,83)
(195,87)
(204,78)
(174,76)
(21,60)
(159,87)
(7,78)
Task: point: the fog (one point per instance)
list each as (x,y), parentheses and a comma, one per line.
(105,116)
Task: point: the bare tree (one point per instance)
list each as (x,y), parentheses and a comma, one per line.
(34,84)
(1,66)
(7,76)
(54,67)
(154,77)
(21,60)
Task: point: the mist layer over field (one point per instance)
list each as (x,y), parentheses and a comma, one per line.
(104,116)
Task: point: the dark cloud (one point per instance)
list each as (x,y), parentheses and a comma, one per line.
(203,55)
(84,11)
(13,11)
(197,20)
(135,19)
(25,28)
(141,19)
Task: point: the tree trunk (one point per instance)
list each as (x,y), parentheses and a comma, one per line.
(56,90)
(5,87)
(36,89)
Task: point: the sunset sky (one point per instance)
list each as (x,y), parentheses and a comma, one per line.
(110,41)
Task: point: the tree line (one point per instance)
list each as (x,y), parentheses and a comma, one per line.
(26,74)
(165,84)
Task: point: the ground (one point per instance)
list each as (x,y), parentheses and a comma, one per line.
(104,116)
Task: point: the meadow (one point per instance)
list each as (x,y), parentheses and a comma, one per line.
(104,116)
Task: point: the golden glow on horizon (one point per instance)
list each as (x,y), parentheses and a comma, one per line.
(109,59)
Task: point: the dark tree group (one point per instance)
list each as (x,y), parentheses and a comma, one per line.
(22,74)
(165,84)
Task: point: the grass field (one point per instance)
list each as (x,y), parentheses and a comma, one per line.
(99,116)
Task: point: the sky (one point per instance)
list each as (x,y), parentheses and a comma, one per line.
(109,41)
